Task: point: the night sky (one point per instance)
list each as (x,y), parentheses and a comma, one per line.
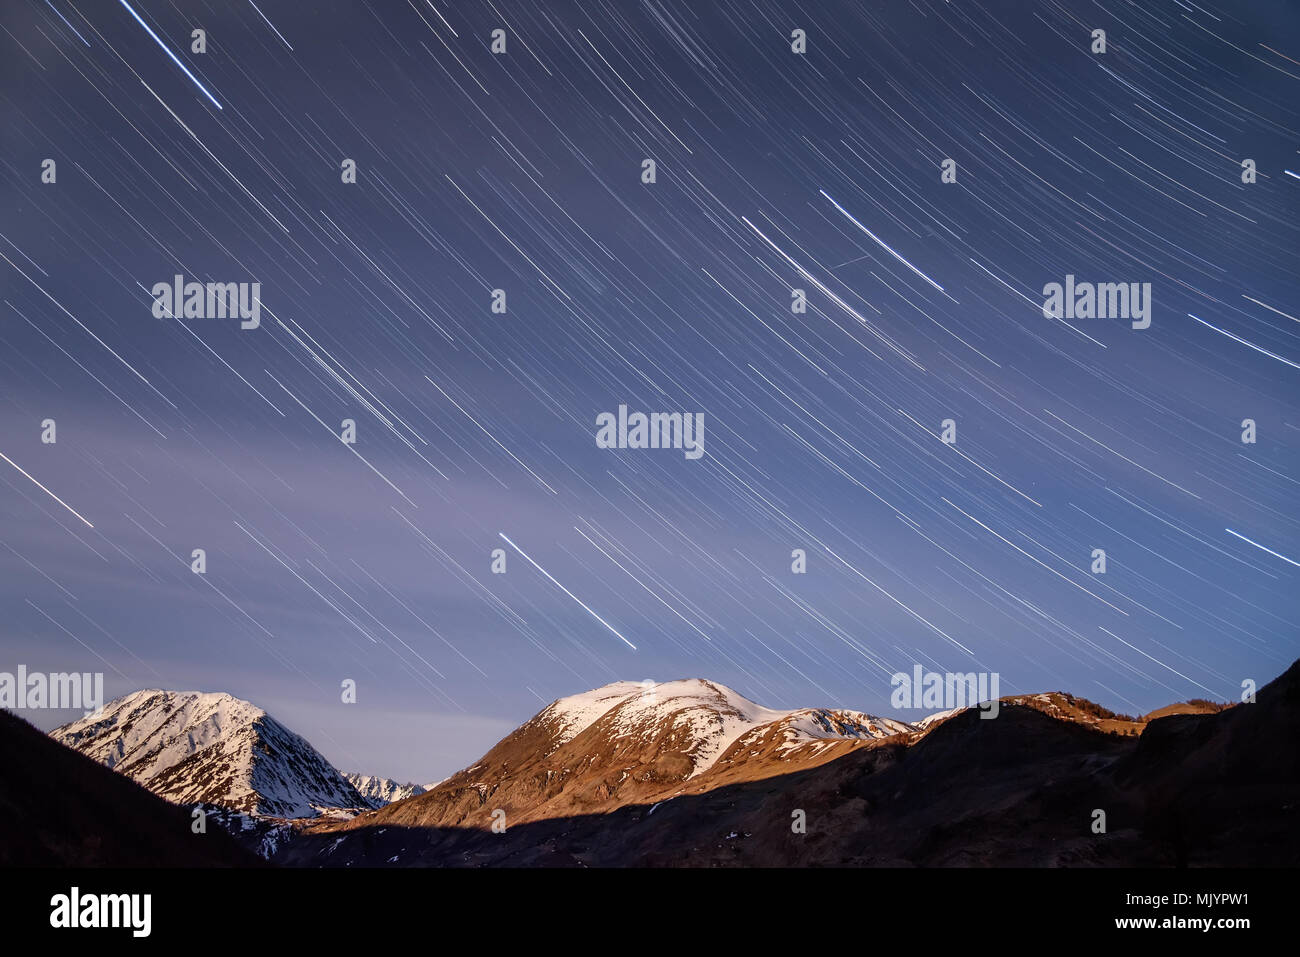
(522,171)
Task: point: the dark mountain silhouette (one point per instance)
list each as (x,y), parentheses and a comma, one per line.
(1210,787)
(61,809)
(691,774)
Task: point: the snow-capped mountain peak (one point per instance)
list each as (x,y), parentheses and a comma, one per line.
(379,792)
(636,742)
(574,714)
(699,719)
(196,747)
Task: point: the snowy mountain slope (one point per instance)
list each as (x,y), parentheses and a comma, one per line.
(965,792)
(574,714)
(191,747)
(705,718)
(936,717)
(630,742)
(379,792)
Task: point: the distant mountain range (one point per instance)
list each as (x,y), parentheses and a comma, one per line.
(381,791)
(692,773)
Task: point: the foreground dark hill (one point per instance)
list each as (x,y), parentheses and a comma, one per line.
(60,809)
(1215,788)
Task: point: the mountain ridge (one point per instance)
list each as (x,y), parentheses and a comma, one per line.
(1022,790)
(631,741)
(380,791)
(193,747)
(611,756)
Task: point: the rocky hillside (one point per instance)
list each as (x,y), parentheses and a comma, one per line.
(699,776)
(627,743)
(196,748)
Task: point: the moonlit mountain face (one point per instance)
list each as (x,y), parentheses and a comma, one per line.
(379,792)
(211,749)
(355,358)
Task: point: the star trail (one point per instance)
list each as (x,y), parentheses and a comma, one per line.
(468,230)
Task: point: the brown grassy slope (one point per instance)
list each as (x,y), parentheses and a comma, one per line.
(534,774)
(1212,788)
